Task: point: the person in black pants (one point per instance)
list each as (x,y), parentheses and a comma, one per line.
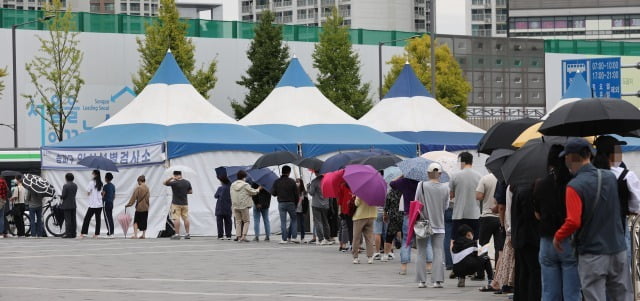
(108,195)
(95,205)
(18,198)
(223,208)
(525,239)
(68,196)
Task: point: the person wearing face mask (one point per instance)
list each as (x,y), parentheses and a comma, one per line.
(609,156)
(591,202)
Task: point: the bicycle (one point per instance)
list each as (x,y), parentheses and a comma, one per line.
(54,221)
(10,224)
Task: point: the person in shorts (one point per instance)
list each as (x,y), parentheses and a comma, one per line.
(140,198)
(179,202)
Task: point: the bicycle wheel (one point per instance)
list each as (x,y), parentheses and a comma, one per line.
(54,227)
(27,224)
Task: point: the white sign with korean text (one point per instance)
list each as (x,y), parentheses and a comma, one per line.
(61,158)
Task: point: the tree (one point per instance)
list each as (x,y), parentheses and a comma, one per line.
(269,57)
(451,87)
(55,71)
(168,32)
(339,68)
(3,73)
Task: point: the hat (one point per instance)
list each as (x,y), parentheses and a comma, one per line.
(606,143)
(434,167)
(575,145)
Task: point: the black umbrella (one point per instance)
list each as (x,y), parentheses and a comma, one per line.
(593,116)
(311,163)
(10,173)
(378,162)
(502,134)
(275,158)
(529,162)
(38,185)
(496,160)
(98,162)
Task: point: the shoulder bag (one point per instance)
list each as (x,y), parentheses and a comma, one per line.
(422,227)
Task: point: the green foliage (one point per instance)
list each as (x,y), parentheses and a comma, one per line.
(451,86)
(168,32)
(339,68)
(3,73)
(269,57)
(55,71)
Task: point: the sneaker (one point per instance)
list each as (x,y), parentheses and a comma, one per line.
(461,282)
(370,260)
(356,261)
(244,240)
(256,239)
(266,238)
(330,242)
(220,238)
(188,236)
(322,243)
(402,273)
(175,237)
(295,241)
(110,236)
(344,250)
(377,256)
(283,242)
(437,284)
(421,285)
(390,256)
(384,258)
(312,241)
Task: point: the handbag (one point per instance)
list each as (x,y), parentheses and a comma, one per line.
(422,228)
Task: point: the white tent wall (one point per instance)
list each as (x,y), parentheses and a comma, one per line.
(201,203)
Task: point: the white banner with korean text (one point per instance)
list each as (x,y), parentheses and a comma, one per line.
(63,158)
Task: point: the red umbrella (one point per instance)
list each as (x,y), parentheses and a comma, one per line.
(331,183)
(125,220)
(414,211)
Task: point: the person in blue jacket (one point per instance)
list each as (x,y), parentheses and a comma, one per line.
(223,208)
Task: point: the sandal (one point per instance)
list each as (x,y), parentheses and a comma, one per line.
(487,289)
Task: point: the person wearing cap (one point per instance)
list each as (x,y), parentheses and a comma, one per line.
(591,201)
(434,197)
(609,156)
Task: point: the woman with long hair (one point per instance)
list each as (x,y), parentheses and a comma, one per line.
(302,207)
(95,204)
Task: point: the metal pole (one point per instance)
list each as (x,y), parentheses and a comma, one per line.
(380,69)
(635,94)
(15,87)
(433,48)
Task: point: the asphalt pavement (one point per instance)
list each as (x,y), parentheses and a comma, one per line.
(204,268)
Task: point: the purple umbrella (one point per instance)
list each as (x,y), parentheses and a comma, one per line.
(366,183)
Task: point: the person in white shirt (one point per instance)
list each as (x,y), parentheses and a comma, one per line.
(95,205)
(18,198)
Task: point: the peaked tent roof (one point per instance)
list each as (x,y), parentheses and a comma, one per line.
(413,115)
(577,89)
(169,109)
(296,110)
(407,85)
(296,101)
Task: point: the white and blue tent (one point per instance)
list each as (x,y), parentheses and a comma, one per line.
(578,89)
(297,110)
(169,125)
(409,112)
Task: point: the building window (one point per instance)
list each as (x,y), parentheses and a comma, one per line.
(477,2)
(547,24)
(499,79)
(302,14)
(534,24)
(498,62)
(517,80)
(522,25)
(135,6)
(94,7)
(618,22)
(635,21)
(561,24)
(578,24)
(517,94)
(123,7)
(499,95)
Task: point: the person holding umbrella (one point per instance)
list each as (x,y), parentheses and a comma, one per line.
(108,195)
(95,205)
(223,207)
(140,197)
(593,209)
(68,197)
(34,201)
(241,201)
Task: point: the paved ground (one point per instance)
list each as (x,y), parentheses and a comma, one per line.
(203,269)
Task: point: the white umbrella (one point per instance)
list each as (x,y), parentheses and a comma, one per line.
(448,161)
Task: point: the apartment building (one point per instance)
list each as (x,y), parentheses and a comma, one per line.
(488,18)
(584,19)
(400,15)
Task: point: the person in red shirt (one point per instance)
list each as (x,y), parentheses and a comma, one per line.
(346,202)
(592,203)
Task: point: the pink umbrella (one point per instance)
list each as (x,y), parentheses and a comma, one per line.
(125,220)
(330,184)
(414,211)
(366,183)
